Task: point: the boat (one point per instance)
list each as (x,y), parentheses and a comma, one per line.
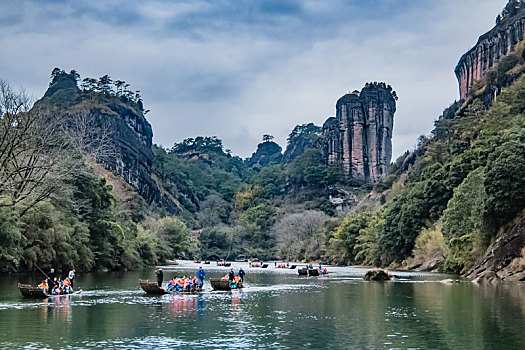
(255,264)
(30,291)
(153,288)
(207,262)
(264,266)
(223,263)
(281,266)
(223,284)
(293,267)
(313,272)
(308,272)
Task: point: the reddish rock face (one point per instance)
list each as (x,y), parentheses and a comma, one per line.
(359,138)
(489,49)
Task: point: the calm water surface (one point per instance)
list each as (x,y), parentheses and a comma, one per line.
(277,310)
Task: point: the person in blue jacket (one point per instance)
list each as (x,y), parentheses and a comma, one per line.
(200,275)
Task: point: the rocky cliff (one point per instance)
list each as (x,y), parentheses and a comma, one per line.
(504,257)
(115,131)
(300,139)
(359,138)
(490,48)
(267,153)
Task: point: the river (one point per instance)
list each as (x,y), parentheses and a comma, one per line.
(278,309)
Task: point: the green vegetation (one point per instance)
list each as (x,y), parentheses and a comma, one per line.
(55,211)
(469,175)
(447,199)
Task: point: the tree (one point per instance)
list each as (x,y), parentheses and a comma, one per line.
(504,183)
(119,84)
(55,73)
(10,237)
(91,136)
(33,153)
(463,223)
(300,236)
(267,138)
(309,130)
(345,236)
(104,84)
(511,8)
(89,84)
(74,74)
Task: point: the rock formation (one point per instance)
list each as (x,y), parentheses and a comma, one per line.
(267,153)
(489,49)
(378,275)
(300,139)
(359,138)
(504,257)
(129,134)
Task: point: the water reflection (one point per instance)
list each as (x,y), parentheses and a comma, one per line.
(181,305)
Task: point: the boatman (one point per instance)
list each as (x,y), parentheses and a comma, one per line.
(200,275)
(160,277)
(71,276)
(51,280)
(241,274)
(231,276)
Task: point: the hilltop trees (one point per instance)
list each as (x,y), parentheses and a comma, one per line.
(104,86)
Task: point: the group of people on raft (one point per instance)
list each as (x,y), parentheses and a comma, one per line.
(182,284)
(56,285)
(320,269)
(235,281)
(195,283)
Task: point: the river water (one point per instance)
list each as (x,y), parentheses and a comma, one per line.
(278,309)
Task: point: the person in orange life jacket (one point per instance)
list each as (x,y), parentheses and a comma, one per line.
(171,284)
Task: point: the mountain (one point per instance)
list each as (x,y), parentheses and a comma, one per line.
(455,203)
(110,128)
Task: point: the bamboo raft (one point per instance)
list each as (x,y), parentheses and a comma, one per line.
(308,272)
(30,291)
(153,288)
(221,284)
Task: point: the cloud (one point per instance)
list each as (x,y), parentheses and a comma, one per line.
(241,69)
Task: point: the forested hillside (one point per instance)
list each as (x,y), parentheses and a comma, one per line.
(82,185)
(464,189)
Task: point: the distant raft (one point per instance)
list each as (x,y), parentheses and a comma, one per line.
(153,288)
(311,272)
(223,284)
(30,291)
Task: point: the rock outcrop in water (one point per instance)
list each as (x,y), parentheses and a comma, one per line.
(490,48)
(359,138)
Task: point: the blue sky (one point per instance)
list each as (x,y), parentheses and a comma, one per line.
(238,69)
